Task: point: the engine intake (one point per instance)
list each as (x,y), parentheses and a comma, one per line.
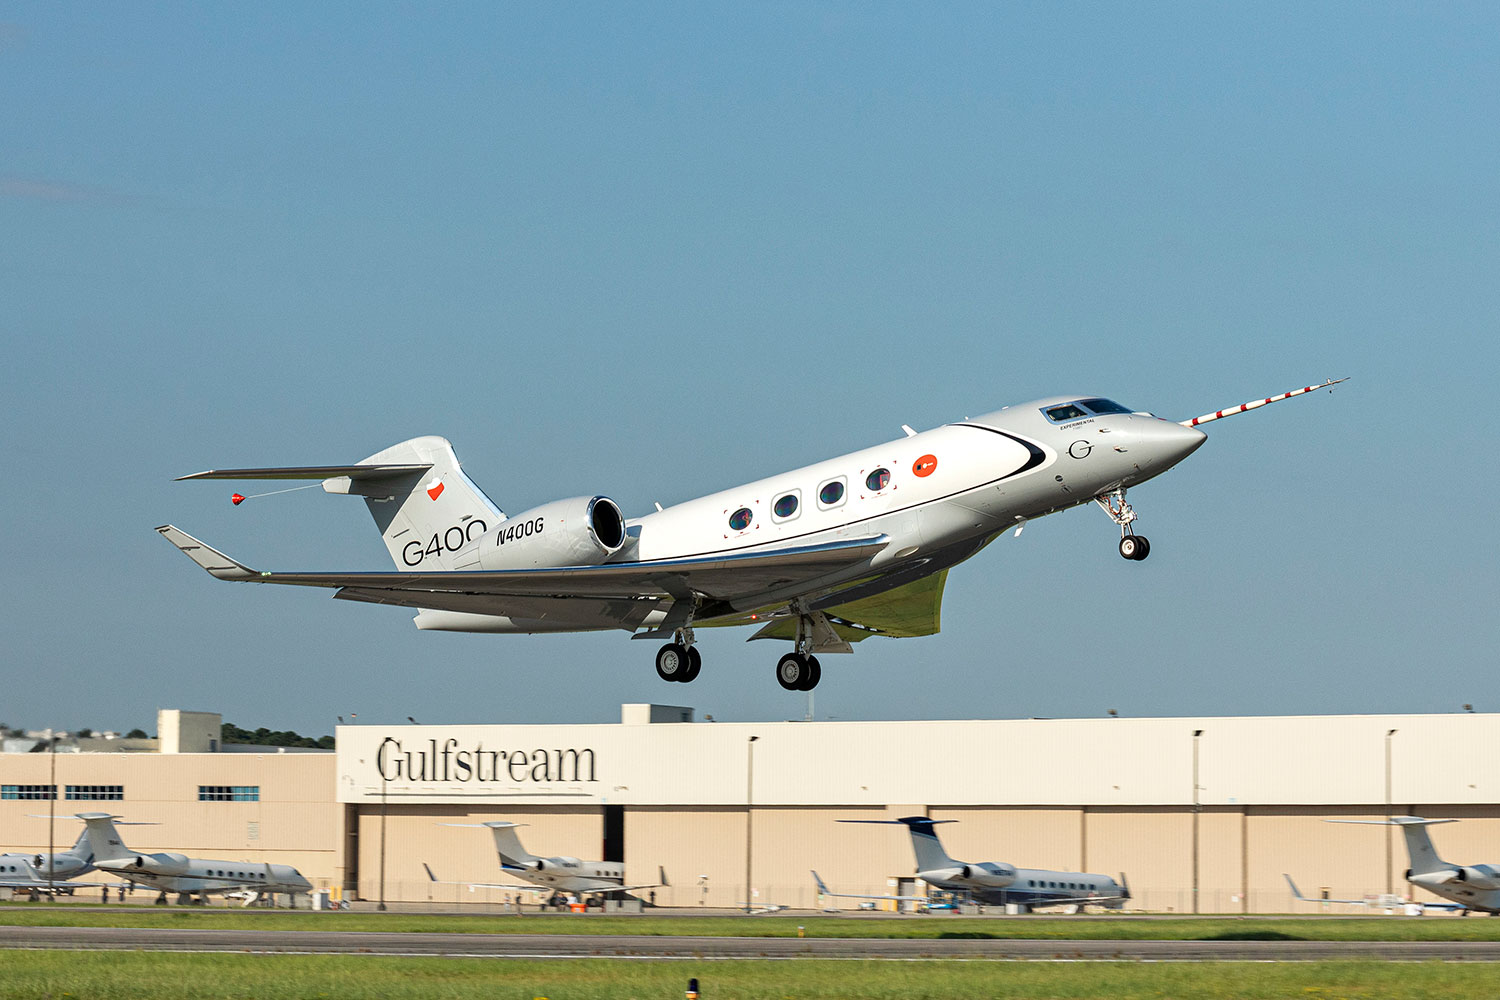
(581,531)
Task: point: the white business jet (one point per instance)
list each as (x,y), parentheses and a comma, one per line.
(188,877)
(823,556)
(559,874)
(1470,887)
(991,882)
(44,872)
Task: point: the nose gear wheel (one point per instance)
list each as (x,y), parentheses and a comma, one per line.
(1132,546)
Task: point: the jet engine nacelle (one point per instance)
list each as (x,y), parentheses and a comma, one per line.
(1478,876)
(161,864)
(555,864)
(582,531)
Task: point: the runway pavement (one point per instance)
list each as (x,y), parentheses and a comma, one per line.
(662,947)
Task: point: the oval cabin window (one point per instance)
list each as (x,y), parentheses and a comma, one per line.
(740,519)
(878,480)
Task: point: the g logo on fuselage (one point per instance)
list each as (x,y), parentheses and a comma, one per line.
(1080,449)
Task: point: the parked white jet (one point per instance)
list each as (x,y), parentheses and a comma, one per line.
(1471,887)
(42,871)
(824,556)
(560,874)
(988,882)
(188,877)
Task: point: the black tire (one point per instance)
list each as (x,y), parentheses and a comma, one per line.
(695,664)
(672,662)
(1145,547)
(814,674)
(1129,546)
(791,670)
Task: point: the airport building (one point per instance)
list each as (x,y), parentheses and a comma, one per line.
(1198,813)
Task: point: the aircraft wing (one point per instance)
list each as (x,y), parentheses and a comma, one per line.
(60,883)
(618,593)
(825,891)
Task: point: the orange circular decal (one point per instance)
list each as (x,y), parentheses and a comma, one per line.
(924,466)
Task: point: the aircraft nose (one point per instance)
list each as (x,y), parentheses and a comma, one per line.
(1161,444)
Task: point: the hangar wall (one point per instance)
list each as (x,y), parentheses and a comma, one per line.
(1106,795)
(293,822)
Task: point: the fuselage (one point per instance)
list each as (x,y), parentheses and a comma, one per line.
(571,874)
(201,875)
(26,869)
(999,884)
(937,496)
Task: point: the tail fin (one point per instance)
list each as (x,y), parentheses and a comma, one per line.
(104,841)
(508,845)
(925,844)
(427,510)
(425,518)
(1424,857)
(82,848)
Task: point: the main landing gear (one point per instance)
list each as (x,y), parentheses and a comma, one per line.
(798,671)
(1132,546)
(679,660)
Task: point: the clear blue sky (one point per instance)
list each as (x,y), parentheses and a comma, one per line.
(654,250)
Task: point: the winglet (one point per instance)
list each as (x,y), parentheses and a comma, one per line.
(210,558)
(1296,893)
(822,886)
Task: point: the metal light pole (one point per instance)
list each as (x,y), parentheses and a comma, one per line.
(1390,887)
(51,816)
(1196,809)
(384,785)
(749,815)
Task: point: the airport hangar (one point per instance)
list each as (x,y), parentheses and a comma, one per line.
(1104,795)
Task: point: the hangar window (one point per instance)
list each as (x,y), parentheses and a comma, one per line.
(740,519)
(228,793)
(1068,411)
(831,494)
(110,793)
(28,791)
(1103,406)
(786,506)
(878,480)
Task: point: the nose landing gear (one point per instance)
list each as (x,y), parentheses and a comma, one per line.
(679,660)
(1132,546)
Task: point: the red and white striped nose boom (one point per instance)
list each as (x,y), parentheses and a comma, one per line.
(1255,403)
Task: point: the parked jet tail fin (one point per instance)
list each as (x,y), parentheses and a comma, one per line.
(924,840)
(1424,857)
(508,845)
(426,508)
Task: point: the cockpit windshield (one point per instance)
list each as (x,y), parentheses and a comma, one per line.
(1079,409)
(1068,411)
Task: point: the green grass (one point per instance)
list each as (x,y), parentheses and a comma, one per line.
(1039,928)
(42,975)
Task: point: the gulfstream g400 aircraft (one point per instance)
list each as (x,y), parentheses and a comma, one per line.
(823,556)
(990,882)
